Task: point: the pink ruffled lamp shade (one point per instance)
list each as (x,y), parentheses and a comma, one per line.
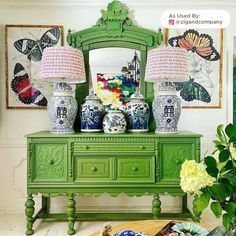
(63,64)
(167,64)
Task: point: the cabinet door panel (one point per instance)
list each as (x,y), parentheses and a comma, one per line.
(49,162)
(172,155)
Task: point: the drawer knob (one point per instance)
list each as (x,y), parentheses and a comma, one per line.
(51,162)
(134,168)
(141,147)
(86,147)
(94,169)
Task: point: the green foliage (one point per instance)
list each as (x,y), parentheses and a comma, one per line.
(230,130)
(218,192)
(219,131)
(210,161)
(201,202)
(223,169)
(231,209)
(212,171)
(216,209)
(227,221)
(224,155)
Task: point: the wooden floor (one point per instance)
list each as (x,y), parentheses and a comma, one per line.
(14,225)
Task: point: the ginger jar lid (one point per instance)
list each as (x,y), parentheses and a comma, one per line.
(136,96)
(92,96)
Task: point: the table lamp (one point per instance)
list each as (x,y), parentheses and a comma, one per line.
(62,66)
(166,65)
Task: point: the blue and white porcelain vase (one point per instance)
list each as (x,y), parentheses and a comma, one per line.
(114,122)
(166,109)
(137,113)
(62,109)
(92,113)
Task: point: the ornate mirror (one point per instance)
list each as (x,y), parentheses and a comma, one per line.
(115,30)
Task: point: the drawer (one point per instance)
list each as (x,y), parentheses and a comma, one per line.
(113,147)
(93,169)
(136,169)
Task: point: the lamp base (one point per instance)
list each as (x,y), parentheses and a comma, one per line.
(62,109)
(166,111)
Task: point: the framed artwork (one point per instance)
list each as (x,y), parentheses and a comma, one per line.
(114,90)
(24,45)
(205,49)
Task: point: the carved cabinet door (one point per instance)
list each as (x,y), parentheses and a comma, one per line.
(49,161)
(172,153)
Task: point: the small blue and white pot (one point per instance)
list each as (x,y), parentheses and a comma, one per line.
(92,113)
(114,122)
(137,113)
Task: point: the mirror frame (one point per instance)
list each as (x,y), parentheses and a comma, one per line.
(116,29)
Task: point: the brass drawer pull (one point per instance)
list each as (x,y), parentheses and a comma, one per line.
(134,168)
(94,169)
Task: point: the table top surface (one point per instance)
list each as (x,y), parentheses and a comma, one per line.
(150,227)
(46,134)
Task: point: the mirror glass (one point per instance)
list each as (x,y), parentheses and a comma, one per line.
(115,74)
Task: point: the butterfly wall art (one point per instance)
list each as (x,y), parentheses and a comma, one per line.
(205,49)
(24,48)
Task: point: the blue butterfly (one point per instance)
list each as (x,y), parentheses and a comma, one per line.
(34,48)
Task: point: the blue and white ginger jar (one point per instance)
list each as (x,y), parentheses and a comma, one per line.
(114,122)
(92,113)
(137,113)
(62,109)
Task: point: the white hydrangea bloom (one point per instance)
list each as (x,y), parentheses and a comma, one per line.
(194,177)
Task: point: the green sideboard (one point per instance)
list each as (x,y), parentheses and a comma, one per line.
(92,164)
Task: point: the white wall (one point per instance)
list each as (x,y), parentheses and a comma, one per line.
(77,15)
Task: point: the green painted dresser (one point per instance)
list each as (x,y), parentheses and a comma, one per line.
(92,164)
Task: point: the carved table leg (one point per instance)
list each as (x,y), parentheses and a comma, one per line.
(71,214)
(156,206)
(29,211)
(185,203)
(196,214)
(45,204)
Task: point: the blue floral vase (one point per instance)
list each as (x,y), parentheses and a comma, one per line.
(137,113)
(92,113)
(114,122)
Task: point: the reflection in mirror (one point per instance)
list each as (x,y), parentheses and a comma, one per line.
(115,75)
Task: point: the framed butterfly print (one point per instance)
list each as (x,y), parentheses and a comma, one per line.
(205,49)
(24,47)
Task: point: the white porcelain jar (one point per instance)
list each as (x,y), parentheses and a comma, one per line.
(114,122)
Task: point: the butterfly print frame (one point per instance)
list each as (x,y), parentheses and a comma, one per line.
(24,45)
(205,48)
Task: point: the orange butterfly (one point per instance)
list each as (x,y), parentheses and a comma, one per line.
(202,44)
